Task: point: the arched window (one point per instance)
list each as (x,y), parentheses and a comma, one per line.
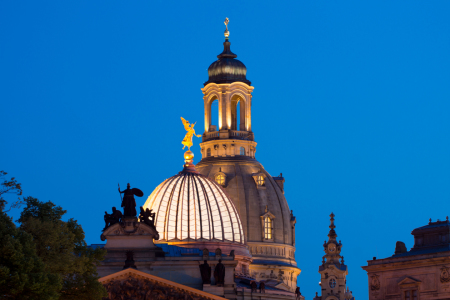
(267,228)
(208,152)
(332,283)
(237,113)
(260,180)
(220,179)
(242,151)
(214,115)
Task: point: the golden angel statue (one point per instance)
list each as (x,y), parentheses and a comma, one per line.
(187,141)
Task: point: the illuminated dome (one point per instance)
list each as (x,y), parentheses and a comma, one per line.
(190,207)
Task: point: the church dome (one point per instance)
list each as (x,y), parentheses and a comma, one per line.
(190,207)
(227,69)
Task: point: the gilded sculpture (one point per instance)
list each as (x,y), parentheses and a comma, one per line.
(187,141)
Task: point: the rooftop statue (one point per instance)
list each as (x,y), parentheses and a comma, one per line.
(262,287)
(129,263)
(205,272)
(128,202)
(148,217)
(219,273)
(187,141)
(111,219)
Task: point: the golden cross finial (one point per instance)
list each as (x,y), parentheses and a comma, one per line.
(227,33)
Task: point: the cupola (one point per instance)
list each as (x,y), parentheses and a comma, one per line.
(227,69)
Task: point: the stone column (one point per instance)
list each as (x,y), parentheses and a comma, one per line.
(243,110)
(207,113)
(222,111)
(248,112)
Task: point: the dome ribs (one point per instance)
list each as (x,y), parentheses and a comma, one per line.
(198,213)
(178,215)
(208,211)
(215,208)
(169,209)
(169,183)
(191,207)
(230,216)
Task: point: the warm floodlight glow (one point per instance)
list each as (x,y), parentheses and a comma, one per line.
(220,179)
(267,228)
(192,207)
(260,180)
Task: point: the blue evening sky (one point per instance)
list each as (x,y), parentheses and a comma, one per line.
(351,103)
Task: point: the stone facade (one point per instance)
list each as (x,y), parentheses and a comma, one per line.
(421,273)
(136,237)
(137,268)
(274,255)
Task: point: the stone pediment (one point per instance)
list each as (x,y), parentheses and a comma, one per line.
(134,284)
(268,214)
(130,234)
(409,282)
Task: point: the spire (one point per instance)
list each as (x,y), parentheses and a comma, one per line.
(226,45)
(332,234)
(333,262)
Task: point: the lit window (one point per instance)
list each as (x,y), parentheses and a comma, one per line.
(267,228)
(220,179)
(332,283)
(260,180)
(242,151)
(208,152)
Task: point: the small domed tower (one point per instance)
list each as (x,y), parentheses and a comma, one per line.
(228,85)
(333,271)
(228,157)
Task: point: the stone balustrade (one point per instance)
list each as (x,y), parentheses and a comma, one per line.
(230,134)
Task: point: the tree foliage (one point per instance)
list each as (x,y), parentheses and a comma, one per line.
(45,257)
(22,273)
(9,186)
(62,248)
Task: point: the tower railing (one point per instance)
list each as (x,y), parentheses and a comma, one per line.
(233,134)
(241,135)
(210,136)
